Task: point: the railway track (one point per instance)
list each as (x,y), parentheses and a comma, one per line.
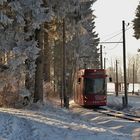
(118,114)
(114,113)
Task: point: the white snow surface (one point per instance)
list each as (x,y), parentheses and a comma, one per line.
(51,122)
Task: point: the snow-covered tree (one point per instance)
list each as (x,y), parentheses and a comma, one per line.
(80,40)
(136,23)
(89,54)
(31,33)
(19,21)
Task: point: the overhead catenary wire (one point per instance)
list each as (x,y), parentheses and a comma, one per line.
(112,37)
(112,34)
(115,45)
(118,41)
(116,35)
(117,31)
(109,49)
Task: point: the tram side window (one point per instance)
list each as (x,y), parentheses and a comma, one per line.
(89,85)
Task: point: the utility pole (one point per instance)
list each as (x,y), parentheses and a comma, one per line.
(124,64)
(66,101)
(101,57)
(116,78)
(133,78)
(104,59)
(63,68)
(125,99)
(104,63)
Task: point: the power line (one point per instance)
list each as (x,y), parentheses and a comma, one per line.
(116,35)
(129,28)
(108,35)
(115,45)
(112,37)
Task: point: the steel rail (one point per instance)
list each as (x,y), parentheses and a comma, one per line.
(118,114)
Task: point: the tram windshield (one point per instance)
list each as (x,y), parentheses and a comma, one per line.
(94,86)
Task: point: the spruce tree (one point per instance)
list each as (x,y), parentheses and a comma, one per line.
(136,23)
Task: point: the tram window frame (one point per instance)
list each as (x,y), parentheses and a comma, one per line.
(92,86)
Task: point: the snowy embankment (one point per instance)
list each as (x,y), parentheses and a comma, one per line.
(133,103)
(48,122)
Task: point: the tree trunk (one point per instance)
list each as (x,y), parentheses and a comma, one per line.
(38,95)
(47,54)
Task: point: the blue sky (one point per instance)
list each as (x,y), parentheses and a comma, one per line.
(110,14)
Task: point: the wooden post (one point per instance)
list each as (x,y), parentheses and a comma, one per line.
(124,63)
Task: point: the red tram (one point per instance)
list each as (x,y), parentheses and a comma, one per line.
(91,87)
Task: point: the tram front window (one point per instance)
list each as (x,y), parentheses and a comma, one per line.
(94,86)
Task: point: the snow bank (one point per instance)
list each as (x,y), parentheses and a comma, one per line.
(50,122)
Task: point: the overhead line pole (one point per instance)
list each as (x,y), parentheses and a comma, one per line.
(64,65)
(104,63)
(124,64)
(133,78)
(116,78)
(101,56)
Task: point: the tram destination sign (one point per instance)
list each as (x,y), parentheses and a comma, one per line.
(95,73)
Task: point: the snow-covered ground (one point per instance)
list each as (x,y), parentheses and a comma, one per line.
(111,88)
(51,122)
